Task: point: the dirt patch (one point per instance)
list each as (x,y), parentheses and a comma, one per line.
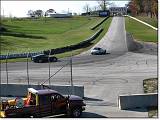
(141,47)
(148,48)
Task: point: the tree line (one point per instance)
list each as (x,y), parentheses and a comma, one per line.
(148,7)
(40,13)
(102,5)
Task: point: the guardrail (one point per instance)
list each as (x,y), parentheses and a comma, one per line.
(56,50)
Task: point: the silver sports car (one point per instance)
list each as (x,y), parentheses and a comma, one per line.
(98,51)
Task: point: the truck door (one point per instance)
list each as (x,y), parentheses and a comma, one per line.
(59,104)
(45,105)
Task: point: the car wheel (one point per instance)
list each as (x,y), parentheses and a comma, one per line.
(76,112)
(54,59)
(40,61)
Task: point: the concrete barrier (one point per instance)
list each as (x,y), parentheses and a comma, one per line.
(21,89)
(137,101)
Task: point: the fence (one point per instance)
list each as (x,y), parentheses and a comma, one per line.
(33,74)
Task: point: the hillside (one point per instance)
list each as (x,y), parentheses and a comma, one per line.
(33,35)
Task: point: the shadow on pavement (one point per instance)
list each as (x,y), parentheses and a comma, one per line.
(138,109)
(92,99)
(84,115)
(91,115)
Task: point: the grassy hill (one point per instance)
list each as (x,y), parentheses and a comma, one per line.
(151,21)
(140,31)
(33,35)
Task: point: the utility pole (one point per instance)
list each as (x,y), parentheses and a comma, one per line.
(72,86)
(7,67)
(104,4)
(49,68)
(27,69)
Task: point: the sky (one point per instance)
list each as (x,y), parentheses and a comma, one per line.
(20,8)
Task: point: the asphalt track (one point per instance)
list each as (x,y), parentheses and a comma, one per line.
(104,77)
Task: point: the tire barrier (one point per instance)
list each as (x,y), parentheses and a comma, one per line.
(55,51)
(99,23)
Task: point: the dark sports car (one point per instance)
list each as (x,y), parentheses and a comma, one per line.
(43,58)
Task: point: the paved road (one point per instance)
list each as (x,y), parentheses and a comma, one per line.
(115,39)
(104,77)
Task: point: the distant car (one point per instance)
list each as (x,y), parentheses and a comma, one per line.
(43,58)
(98,51)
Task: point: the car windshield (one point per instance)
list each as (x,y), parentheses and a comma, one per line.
(42,55)
(97,48)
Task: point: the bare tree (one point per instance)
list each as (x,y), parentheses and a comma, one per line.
(31,13)
(95,8)
(112,4)
(150,7)
(87,8)
(50,11)
(103,4)
(154,8)
(39,13)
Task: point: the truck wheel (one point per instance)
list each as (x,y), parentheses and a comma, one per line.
(76,112)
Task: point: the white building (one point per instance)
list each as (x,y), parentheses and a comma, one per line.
(58,15)
(118,10)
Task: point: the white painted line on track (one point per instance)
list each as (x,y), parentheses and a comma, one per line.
(142,22)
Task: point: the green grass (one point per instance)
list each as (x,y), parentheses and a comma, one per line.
(37,35)
(140,31)
(94,21)
(151,21)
